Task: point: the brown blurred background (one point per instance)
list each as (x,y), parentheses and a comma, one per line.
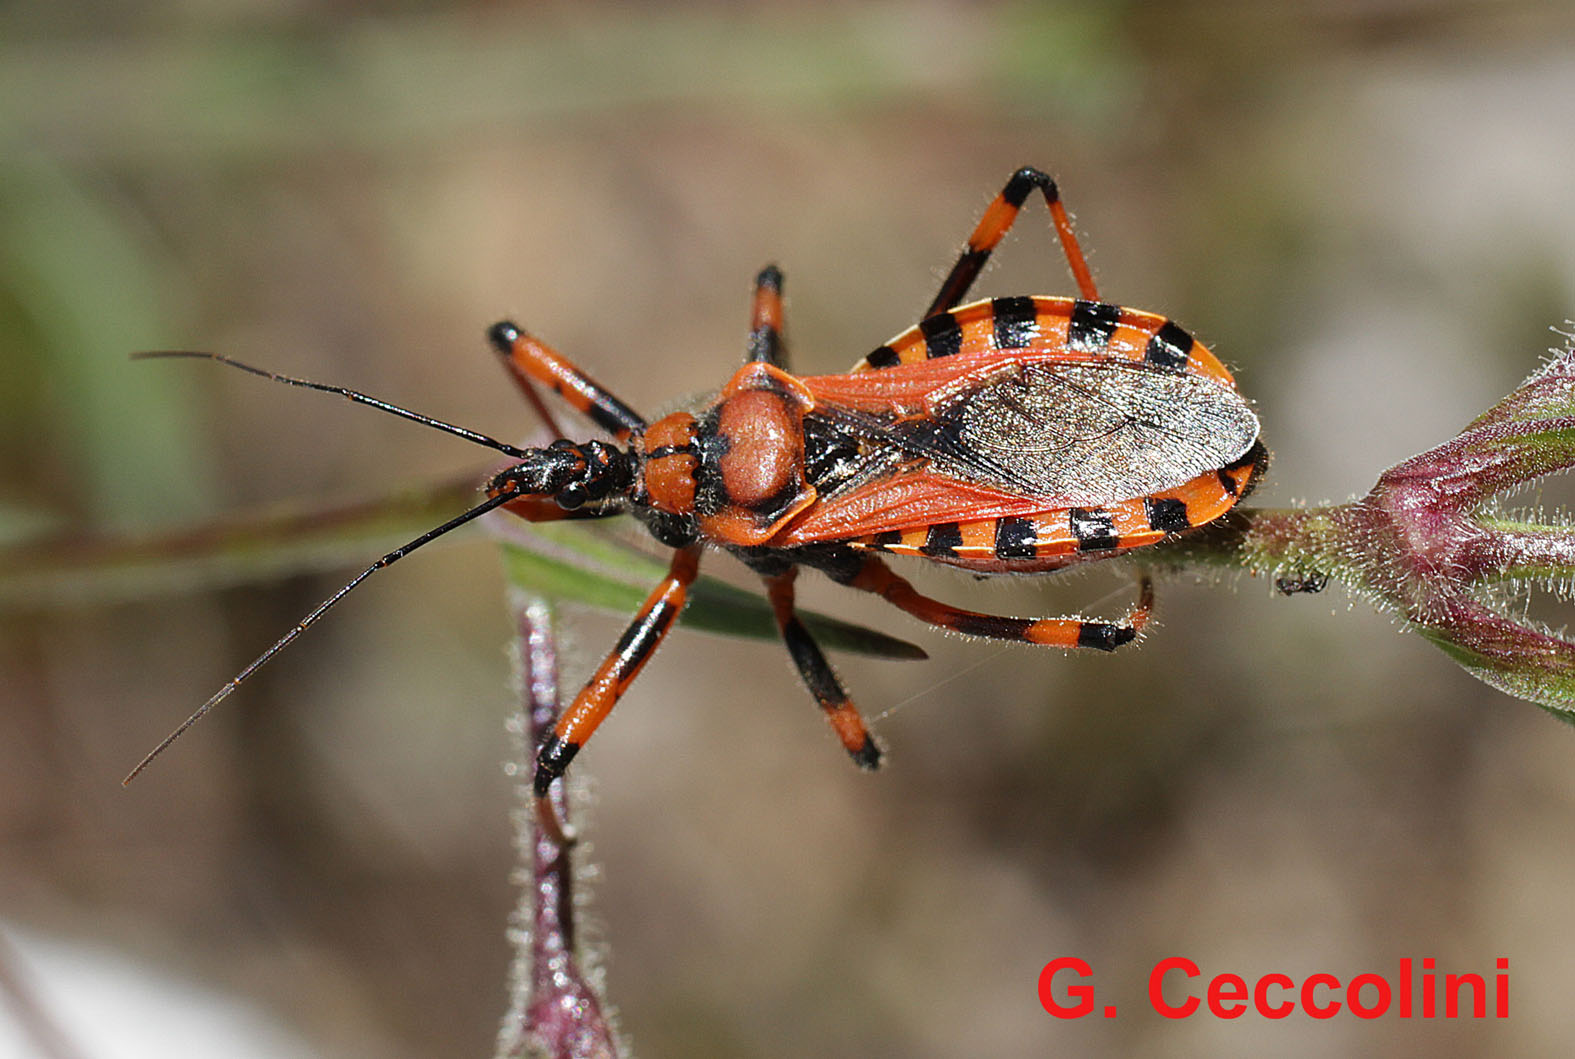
(1366,207)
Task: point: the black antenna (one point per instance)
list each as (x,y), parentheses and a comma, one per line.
(387,560)
(353,395)
(321,609)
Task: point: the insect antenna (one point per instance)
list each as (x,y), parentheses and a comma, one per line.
(393,556)
(306,622)
(348,394)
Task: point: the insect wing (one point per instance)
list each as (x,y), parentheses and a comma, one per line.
(901,501)
(1085,434)
(964,430)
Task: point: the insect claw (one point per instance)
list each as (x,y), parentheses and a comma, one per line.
(867,756)
(504,334)
(769,277)
(1310,582)
(552,824)
(1104,636)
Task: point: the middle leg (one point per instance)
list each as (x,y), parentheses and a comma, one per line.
(818,675)
(765,321)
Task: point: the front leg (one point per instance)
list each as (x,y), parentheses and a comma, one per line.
(531,360)
(635,647)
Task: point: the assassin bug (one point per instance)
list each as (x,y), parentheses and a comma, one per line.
(1011,435)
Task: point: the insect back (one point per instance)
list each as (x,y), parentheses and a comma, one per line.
(1022,445)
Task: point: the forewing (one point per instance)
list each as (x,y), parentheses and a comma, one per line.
(1084,433)
(1014,435)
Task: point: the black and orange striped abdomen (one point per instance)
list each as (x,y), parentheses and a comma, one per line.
(1066,328)
(1060,537)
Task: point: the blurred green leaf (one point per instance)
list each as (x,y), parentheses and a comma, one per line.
(19,523)
(77,263)
(573,562)
(714,606)
(276,542)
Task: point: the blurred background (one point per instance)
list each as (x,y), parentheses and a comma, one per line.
(1364,206)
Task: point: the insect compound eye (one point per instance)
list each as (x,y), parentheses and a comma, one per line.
(608,470)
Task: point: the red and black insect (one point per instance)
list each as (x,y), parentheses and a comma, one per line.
(1012,435)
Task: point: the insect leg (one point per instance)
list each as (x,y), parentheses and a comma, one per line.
(618,670)
(531,360)
(993,226)
(873,575)
(817,673)
(765,321)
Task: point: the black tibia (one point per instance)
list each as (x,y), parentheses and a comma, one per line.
(816,672)
(552,761)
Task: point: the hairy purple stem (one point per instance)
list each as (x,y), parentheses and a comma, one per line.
(1430,543)
(555,1010)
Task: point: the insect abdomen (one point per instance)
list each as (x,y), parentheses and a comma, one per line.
(1075,330)
(1052,539)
